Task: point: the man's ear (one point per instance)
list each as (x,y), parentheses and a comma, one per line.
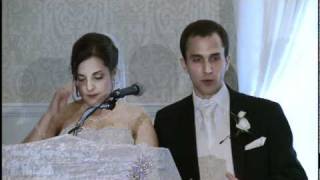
(227,62)
(113,72)
(183,64)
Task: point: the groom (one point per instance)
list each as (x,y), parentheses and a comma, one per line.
(218,121)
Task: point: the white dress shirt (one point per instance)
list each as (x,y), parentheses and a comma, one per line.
(217,127)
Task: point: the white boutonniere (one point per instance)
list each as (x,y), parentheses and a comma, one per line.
(243,123)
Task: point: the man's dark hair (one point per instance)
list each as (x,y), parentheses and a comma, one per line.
(203,28)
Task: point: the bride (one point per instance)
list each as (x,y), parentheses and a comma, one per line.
(111,144)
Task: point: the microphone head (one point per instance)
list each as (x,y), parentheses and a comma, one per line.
(139,87)
(135,89)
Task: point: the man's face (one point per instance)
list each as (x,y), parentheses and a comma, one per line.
(206,64)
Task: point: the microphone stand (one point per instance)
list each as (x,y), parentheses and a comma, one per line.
(109,103)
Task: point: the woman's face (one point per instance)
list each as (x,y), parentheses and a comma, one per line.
(93,81)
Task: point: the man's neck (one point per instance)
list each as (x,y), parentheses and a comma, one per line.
(208,96)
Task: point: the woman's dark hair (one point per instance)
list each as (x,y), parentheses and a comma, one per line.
(97,45)
(203,28)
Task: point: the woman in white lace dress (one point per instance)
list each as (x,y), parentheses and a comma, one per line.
(111,144)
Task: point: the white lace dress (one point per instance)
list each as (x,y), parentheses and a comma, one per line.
(107,153)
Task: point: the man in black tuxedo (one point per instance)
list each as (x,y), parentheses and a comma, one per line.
(216,121)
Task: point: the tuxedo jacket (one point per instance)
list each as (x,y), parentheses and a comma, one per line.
(275,160)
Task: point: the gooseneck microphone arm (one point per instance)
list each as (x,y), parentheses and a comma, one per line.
(108,103)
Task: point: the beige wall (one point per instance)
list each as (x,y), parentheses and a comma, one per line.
(38,37)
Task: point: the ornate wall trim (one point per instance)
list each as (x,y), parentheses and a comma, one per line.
(14,110)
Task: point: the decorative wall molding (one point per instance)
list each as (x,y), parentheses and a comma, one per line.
(12,110)
(18,110)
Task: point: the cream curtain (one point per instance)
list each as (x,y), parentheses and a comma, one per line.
(277,60)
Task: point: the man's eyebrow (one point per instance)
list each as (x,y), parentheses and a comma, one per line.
(195,55)
(215,54)
(199,55)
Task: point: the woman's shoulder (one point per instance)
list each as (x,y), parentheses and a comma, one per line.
(70,110)
(130,112)
(129,108)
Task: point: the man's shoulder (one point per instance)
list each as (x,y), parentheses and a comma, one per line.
(243,98)
(177,106)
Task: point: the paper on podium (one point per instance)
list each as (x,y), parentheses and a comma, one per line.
(212,168)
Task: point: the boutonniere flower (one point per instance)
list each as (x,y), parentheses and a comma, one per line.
(243,123)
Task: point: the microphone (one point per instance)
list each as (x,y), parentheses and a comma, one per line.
(135,89)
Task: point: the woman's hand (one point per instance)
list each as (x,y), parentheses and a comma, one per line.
(50,123)
(60,99)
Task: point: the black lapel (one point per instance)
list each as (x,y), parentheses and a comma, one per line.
(237,142)
(189,133)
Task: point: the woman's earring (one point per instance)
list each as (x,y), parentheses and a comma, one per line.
(113,83)
(76,94)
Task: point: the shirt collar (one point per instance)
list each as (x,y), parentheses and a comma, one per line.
(221,98)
